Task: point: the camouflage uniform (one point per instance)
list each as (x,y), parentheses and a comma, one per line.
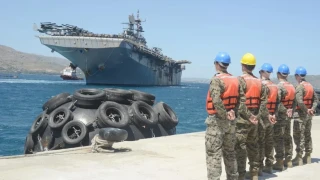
(247,133)
(266,138)
(220,136)
(282,129)
(302,129)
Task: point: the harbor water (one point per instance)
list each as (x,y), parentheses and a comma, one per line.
(21,101)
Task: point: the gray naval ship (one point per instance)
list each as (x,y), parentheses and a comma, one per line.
(122,59)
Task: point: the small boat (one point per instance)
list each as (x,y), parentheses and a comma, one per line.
(70,73)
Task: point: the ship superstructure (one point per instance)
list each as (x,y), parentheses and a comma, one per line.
(122,59)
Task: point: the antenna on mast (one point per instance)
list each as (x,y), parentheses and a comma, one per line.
(135,32)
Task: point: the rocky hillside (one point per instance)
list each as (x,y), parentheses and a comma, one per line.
(314,79)
(12,61)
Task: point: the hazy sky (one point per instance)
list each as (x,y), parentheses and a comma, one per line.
(274,31)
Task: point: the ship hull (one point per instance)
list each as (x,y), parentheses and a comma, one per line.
(115,62)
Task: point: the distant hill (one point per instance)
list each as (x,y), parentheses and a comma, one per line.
(313,79)
(12,61)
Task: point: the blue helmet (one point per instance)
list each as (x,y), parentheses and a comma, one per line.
(223,57)
(284,69)
(267,67)
(301,71)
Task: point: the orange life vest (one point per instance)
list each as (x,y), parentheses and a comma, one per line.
(308,97)
(272,98)
(287,101)
(230,95)
(253,91)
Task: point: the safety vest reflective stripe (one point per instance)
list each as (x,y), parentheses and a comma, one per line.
(253,91)
(308,97)
(272,98)
(287,101)
(230,95)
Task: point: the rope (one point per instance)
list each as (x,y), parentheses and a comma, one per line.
(99,145)
(102,146)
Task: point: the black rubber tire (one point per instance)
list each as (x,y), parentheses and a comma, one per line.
(167,117)
(39,124)
(142,96)
(89,98)
(67,116)
(136,110)
(113,134)
(28,145)
(68,130)
(119,95)
(56,101)
(106,120)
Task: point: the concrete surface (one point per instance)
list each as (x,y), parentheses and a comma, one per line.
(175,157)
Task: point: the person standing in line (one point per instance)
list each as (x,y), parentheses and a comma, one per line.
(247,130)
(307,101)
(222,103)
(266,132)
(282,129)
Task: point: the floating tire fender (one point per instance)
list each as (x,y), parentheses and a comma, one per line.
(167,117)
(119,95)
(142,114)
(142,95)
(112,114)
(119,92)
(28,146)
(74,132)
(113,134)
(89,97)
(56,101)
(39,124)
(59,117)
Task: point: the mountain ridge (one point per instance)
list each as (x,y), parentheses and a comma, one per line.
(13,61)
(313,79)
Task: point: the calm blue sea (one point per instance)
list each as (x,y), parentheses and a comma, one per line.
(21,100)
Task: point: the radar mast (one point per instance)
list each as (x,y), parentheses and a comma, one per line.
(130,31)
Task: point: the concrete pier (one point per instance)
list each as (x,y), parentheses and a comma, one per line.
(178,157)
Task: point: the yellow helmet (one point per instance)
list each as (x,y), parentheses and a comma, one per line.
(248,59)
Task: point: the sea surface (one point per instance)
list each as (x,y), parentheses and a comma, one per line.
(21,102)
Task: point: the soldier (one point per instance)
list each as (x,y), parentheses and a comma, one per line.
(307,101)
(247,129)
(282,129)
(266,132)
(223,101)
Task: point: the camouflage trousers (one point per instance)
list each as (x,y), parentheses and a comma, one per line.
(266,144)
(220,140)
(247,146)
(302,135)
(283,139)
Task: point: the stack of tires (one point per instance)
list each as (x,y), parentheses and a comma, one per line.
(73,120)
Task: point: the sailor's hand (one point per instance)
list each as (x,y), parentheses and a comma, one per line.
(231,115)
(253,119)
(311,112)
(289,113)
(272,119)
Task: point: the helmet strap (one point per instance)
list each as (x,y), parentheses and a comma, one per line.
(284,75)
(302,78)
(223,67)
(264,75)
